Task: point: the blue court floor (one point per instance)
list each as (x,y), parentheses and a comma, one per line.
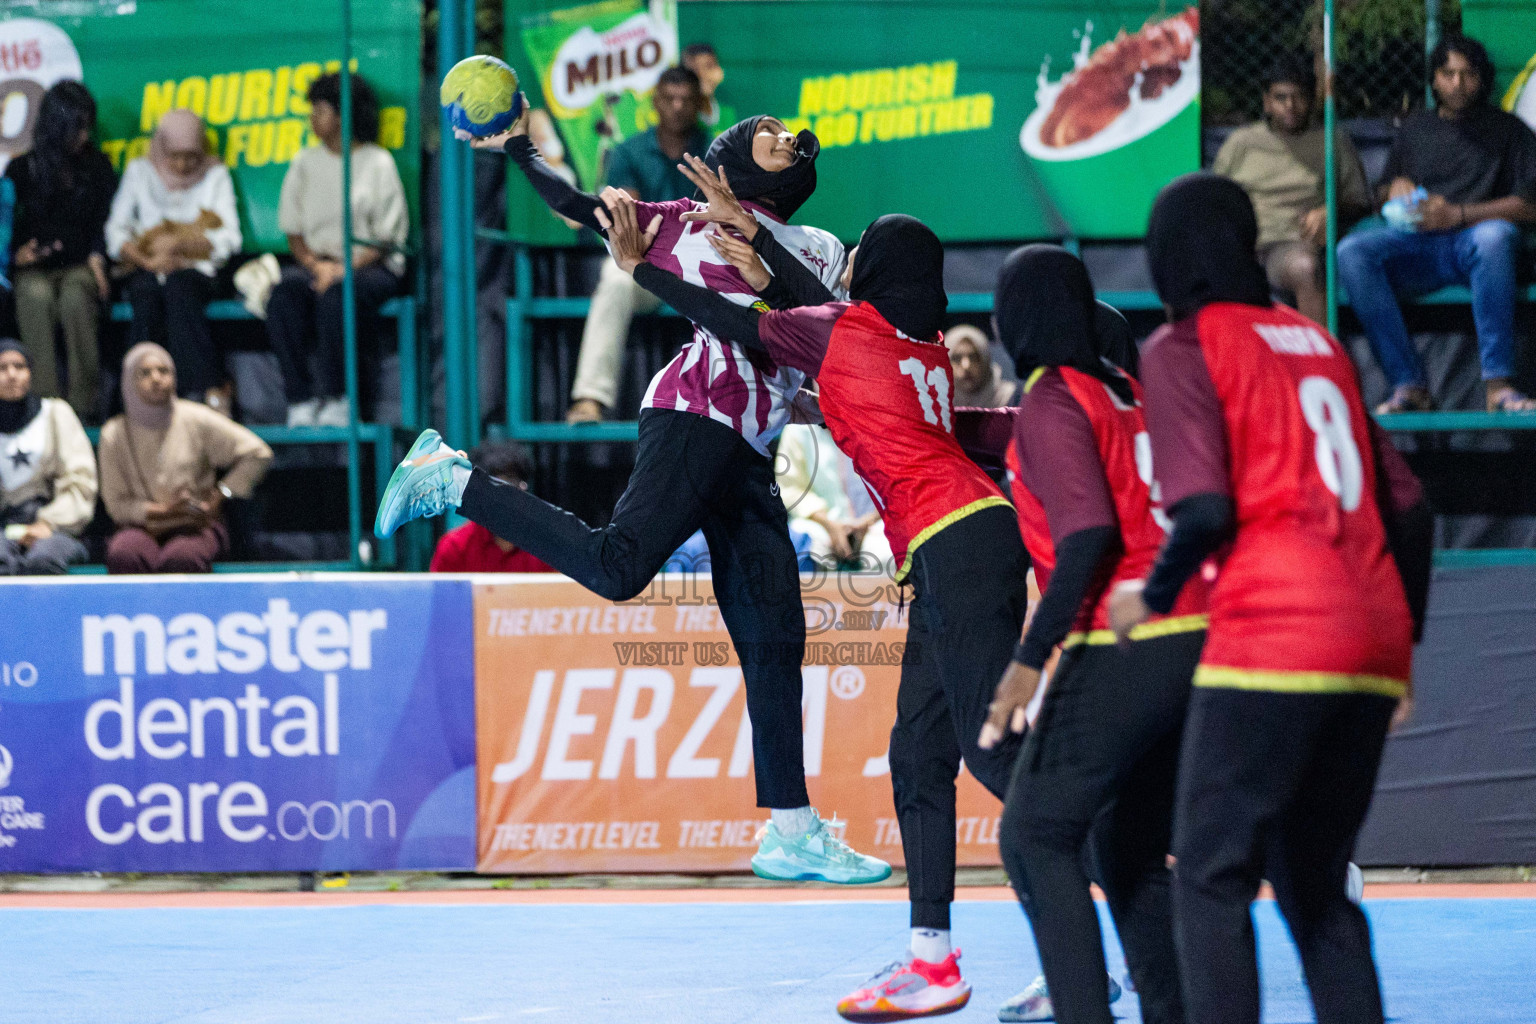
(1444,961)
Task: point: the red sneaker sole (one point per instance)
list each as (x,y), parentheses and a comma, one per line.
(881,1016)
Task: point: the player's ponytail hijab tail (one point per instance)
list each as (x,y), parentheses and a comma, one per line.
(1201,242)
(1046,315)
(899,270)
(787,190)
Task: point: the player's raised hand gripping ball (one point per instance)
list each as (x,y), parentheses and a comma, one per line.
(480,96)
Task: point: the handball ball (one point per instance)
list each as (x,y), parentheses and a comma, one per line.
(480,95)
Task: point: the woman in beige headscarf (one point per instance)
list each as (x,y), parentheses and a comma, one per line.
(167,467)
(979,382)
(174,224)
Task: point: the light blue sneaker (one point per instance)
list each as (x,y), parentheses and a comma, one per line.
(817,856)
(422,485)
(1034,1003)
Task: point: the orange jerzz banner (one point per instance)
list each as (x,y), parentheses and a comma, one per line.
(614,738)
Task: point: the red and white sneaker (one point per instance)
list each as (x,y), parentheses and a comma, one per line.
(903,990)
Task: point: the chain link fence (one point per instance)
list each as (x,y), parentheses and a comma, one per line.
(1379,57)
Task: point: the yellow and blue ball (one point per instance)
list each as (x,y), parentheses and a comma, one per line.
(480,95)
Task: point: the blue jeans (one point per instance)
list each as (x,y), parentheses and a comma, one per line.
(1378,264)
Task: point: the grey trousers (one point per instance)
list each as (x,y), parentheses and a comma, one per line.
(49,557)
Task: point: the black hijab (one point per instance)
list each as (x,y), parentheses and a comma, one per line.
(787,190)
(899,269)
(1046,315)
(15,415)
(1200,244)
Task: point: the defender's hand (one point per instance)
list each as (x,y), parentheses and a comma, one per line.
(625,239)
(742,256)
(1127,610)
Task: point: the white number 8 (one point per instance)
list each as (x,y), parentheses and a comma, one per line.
(1338,456)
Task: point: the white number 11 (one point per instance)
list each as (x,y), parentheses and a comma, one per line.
(924,378)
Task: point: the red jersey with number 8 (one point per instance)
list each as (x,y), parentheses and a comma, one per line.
(1263,405)
(887,400)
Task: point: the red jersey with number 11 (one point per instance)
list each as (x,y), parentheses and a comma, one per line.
(1262,405)
(887,401)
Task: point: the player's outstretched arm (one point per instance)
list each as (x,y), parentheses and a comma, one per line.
(794,284)
(710,311)
(558,194)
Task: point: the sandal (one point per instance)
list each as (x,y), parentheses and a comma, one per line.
(1406,398)
(1507,399)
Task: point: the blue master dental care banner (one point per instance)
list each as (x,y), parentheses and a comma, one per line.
(236,725)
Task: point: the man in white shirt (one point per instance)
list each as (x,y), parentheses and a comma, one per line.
(304,314)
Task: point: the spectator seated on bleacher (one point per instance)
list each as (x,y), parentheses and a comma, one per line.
(47,474)
(64,189)
(832,519)
(473,548)
(979,382)
(173,226)
(1477,167)
(1279,163)
(645,166)
(167,467)
(304,312)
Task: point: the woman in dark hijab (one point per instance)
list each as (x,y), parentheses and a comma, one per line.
(1201,241)
(765,163)
(1110,722)
(885,386)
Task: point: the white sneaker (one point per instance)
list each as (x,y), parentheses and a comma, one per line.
(1034,1003)
(302,414)
(334,412)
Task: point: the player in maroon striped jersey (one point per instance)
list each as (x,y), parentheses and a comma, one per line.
(702,462)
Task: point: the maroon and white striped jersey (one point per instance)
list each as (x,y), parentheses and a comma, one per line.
(715,377)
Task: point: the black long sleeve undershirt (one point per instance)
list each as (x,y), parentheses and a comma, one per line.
(558,194)
(1411,539)
(1201,523)
(705,308)
(794,283)
(1083,560)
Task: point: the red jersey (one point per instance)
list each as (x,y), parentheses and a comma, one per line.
(473,548)
(1262,405)
(886,400)
(1085,460)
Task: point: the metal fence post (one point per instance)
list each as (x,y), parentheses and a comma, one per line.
(455,21)
(1330,173)
(348,298)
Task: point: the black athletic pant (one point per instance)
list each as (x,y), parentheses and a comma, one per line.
(304,327)
(1275,785)
(963,627)
(175,314)
(691,472)
(1102,760)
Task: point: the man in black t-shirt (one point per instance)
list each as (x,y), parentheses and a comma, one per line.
(1478,166)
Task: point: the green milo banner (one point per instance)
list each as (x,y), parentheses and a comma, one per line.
(243,65)
(596,67)
(989,119)
(1508,29)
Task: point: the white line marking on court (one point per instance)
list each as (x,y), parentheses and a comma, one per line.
(488,1016)
(539,1009)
